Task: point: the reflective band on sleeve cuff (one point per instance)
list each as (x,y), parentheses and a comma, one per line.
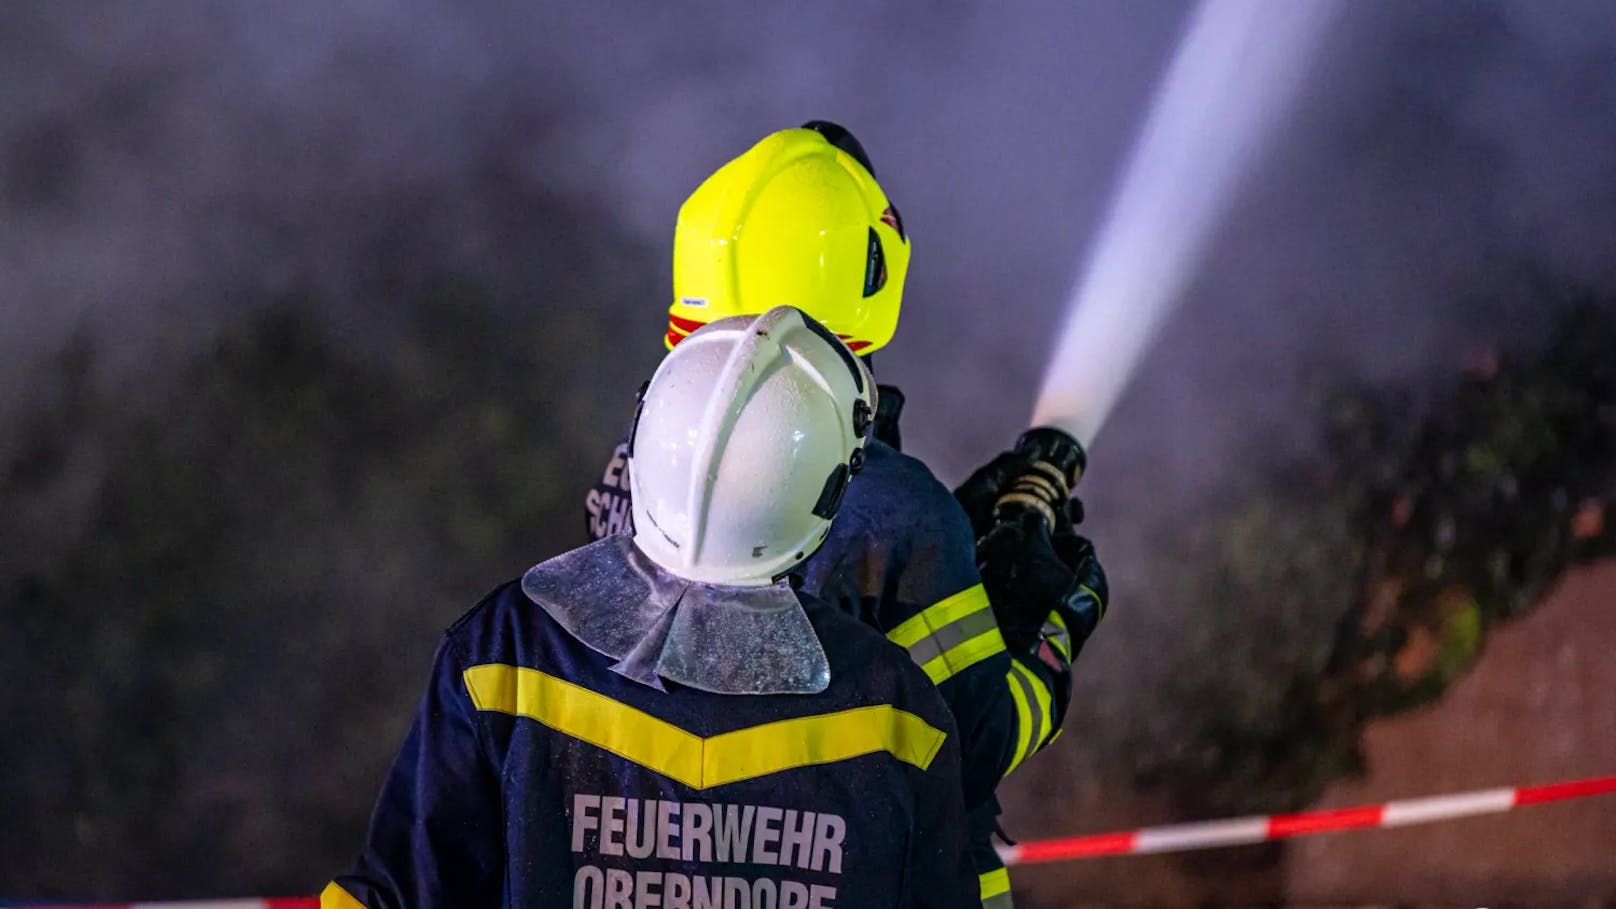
(1033,712)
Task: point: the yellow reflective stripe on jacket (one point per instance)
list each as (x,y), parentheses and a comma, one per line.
(334,897)
(994,888)
(1023,716)
(938,614)
(1044,723)
(691,759)
(1034,717)
(951,635)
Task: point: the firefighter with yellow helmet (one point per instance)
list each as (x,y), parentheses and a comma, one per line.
(799,219)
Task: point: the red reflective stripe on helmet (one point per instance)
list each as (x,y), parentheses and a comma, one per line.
(892,219)
(680,328)
(853,345)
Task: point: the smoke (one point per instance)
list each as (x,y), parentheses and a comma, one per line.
(159,157)
(168,163)
(1226,91)
(167,167)
(1444,163)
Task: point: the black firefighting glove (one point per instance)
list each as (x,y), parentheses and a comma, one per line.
(981,490)
(1031,574)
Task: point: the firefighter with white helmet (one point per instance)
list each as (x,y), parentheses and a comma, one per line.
(800,219)
(665,719)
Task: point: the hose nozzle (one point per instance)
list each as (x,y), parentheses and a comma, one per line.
(1056,464)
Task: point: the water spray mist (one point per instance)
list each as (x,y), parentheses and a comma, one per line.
(1234,72)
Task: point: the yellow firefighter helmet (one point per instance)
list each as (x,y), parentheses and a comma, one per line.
(797,220)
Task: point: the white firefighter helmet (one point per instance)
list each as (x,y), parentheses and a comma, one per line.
(746,438)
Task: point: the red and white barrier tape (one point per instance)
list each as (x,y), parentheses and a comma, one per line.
(1245,830)
(1175,838)
(286,903)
